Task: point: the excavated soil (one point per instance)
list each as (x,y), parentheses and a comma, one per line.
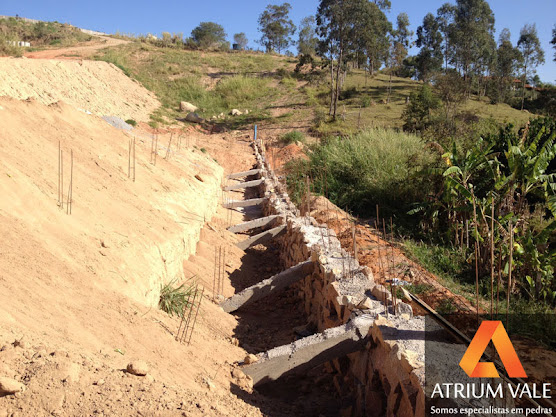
(92,86)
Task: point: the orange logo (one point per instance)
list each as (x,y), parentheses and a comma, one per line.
(495,331)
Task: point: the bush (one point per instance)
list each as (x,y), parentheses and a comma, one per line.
(173,300)
(417,115)
(292,137)
(373,167)
(131,122)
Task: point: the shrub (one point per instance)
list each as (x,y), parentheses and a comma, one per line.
(173,300)
(131,122)
(417,114)
(373,167)
(292,137)
(288,82)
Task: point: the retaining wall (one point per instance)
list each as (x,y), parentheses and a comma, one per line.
(387,378)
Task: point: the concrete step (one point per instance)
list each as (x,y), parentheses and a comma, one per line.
(241,185)
(267,287)
(244,174)
(261,237)
(245,203)
(304,354)
(253,224)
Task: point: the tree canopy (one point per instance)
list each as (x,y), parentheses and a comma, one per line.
(241,40)
(208,35)
(276,27)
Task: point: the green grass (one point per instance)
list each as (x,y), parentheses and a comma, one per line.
(42,34)
(364,104)
(173,300)
(292,137)
(376,166)
(176,75)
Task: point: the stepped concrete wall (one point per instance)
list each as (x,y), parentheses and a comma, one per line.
(387,377)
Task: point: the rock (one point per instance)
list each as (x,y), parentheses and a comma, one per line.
(236,112)
(139,368)
(403,308)
(188,107)
(365,304)
(246,111)
(21,343)
(10,386)
(249,359)
(194,118)
(237,374)
(99,382)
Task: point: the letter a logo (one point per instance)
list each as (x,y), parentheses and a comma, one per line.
(495,331)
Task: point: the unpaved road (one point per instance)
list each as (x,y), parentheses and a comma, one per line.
(82,50)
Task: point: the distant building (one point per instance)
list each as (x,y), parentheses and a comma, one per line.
(21,44)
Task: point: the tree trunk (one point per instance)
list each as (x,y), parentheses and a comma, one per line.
(389,88)
(340,57)
(331,84)
(523,87)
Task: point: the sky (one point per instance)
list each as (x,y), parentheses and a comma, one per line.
(142,17)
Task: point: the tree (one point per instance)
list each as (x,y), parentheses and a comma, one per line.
(553,41)
(276,27)
(533,55)
(402,38)
(348,28)
(209,35)
(417,114)
(472,36)
(507,63)
(383,4)
(445,16)
(241,40)
(308,41)
(429,39)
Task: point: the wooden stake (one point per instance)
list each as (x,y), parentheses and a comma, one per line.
(62,179)
(169,146)
(59,168)
(476,258)
(129,158)
(510,273)
(70,189)
(134,160)
(492,257)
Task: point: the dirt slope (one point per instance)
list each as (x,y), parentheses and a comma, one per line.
(97,87)
(78,290)
(82,50)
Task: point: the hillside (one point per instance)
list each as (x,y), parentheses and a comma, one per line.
(97,87)
(79,292)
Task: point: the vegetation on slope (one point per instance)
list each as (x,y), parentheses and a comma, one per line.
(41,34)
(214,82)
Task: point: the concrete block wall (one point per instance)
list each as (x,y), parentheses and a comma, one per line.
(387,378)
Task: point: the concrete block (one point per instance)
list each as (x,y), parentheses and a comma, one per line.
(266,287)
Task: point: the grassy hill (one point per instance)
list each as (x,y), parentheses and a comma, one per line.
(269,88)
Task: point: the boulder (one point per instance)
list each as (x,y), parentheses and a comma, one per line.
(194,118)
(10,386)
(188,107)
(249,359)
(236,112)
(138,368)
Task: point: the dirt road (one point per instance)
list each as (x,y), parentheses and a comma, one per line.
(80,51)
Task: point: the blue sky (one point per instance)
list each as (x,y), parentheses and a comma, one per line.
(141,17)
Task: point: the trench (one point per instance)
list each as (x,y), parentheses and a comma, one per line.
(276,320)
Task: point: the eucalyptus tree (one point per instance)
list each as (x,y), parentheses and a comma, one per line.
(533,55)
(508,61)
(276,27)
(472,37)
(429,39)
(347,27)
